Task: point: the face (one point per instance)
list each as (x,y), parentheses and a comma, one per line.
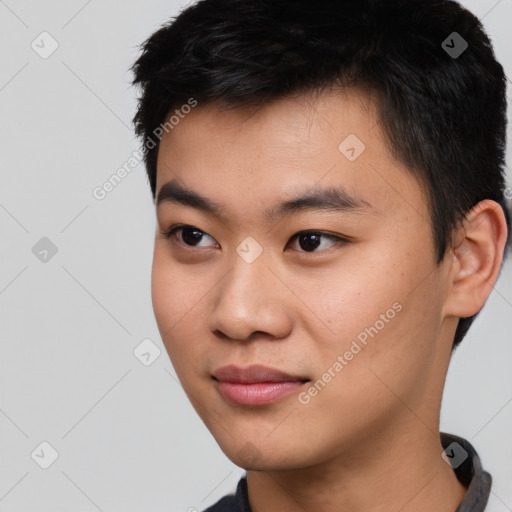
(340,289)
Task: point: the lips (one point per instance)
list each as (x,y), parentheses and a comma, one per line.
(254,374)
(255,385)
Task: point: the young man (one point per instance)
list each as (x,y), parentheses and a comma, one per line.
(329,189)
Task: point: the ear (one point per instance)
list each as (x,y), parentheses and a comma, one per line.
(477,253)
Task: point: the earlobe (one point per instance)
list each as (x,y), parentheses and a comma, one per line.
(477,258)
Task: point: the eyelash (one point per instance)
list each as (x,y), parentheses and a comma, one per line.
(340,240)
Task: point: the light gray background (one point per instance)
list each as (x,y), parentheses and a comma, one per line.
(126,436)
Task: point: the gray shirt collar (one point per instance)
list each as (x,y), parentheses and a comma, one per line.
(471,475)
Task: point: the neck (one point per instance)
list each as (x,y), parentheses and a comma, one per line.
(376,474)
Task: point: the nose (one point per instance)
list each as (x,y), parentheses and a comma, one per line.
(251,299)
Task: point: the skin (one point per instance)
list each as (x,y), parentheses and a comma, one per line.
(369,440)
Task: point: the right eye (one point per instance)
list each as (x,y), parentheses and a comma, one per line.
(190,235)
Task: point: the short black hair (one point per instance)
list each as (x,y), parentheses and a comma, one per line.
(443,112)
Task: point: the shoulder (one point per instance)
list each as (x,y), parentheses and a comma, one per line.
(225,504)
(237,502)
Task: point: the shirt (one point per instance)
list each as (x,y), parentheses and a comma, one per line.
(461,456)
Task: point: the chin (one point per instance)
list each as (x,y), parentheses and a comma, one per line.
(253,458)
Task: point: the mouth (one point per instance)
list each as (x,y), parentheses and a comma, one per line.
(255,385)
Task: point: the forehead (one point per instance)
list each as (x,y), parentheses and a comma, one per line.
(248,159)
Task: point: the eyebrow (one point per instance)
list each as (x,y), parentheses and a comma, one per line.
(334,198)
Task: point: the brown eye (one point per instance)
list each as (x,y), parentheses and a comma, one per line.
(190,235)
(309,241)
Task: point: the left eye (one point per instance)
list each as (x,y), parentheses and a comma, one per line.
(309,241)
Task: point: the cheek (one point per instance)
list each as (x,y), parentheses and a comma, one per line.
(163,296)
(174,292)
(379,306)
(352,298)
(176,303)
